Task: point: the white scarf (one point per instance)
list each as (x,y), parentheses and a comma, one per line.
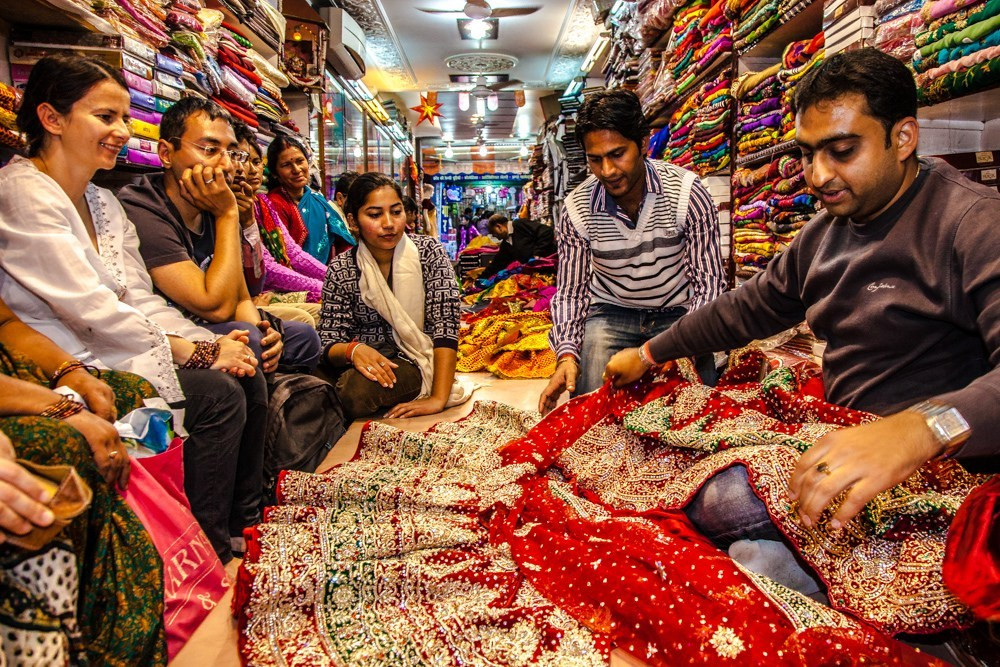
(403,308)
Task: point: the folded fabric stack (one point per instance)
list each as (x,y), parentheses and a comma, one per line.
(797,60)
(755,20)
(896,25)
(958,48)
(144,20)
(848,24)
(686,38)
(654,18)
(10,100)
(770,205)
(759,110)
(710,127)
(506,331)
(791,204)
(648,68)
(679,147)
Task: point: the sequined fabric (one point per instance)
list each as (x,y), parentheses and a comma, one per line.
(499,541)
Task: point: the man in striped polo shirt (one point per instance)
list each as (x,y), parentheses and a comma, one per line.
(638,246)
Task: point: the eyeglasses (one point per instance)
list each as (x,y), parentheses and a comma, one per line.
(239,157)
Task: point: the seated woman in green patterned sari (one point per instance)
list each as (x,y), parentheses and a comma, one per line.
(94,595)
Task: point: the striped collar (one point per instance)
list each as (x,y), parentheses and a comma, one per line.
(602,202)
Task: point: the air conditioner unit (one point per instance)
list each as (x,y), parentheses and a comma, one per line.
(346,50)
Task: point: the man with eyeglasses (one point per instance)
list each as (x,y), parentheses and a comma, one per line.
(188,221)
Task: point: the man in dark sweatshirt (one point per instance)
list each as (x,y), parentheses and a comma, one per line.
(520,240)
(900,275)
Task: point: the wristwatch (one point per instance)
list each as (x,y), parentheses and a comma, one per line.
(946,424)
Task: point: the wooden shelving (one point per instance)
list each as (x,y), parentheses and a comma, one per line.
(979,106)
(801,23)
(766,153)
(54,14)
(661,116)
(260,45)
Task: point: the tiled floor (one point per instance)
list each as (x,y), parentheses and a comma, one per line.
(214,643)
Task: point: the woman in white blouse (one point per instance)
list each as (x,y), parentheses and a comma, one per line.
(70,268)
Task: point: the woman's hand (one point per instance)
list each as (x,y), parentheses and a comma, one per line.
(109,452)
(372,365)
(235,357)
(22,497)
(96,394)
(421,406)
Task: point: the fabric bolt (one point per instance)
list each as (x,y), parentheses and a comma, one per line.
(980,75)
(935,9)
(956,22)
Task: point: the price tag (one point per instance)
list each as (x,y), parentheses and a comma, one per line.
(984,157)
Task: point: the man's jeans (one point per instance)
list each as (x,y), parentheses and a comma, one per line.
(610,329)
(301,347)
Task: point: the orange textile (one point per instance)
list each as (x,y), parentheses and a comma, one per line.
(511,345)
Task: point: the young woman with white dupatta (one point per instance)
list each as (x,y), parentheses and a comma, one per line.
(390,316)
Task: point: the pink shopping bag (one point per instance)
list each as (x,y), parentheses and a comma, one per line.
(194,579)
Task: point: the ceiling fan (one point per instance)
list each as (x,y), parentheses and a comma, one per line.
(480,9)
(483,89)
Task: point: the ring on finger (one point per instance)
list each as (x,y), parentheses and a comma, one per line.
(823,467)
(209,180)
(369,369)
(113,454)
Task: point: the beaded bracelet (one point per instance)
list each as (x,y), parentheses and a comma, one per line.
(61,409)
(65,368)
(205,354)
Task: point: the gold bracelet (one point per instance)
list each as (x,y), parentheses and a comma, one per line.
(61,409)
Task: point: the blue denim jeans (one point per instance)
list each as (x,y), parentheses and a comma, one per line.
(726,509)
(301,347)
(610,329)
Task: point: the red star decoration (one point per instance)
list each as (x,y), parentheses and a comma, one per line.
(428,109)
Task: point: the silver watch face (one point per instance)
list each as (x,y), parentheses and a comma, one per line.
(952,423)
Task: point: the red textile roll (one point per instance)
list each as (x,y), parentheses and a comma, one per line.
(971,566)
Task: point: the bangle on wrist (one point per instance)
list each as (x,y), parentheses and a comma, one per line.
(349,352)
(644,355)
(205,354)
(567,357)
(64,369)
(61,409)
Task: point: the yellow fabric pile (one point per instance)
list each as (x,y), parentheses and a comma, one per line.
(510,345)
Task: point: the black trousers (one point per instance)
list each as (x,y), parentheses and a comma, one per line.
(226,419)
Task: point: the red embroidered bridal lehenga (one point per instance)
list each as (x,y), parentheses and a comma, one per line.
(501,541)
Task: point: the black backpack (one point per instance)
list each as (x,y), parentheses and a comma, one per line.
(304,421)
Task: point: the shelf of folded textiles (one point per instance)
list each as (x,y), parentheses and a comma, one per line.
(766,153)
(979,105)
(260,44)
(660,117)
(54,14)
(801,21)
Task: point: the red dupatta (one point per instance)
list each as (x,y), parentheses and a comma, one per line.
(289,214)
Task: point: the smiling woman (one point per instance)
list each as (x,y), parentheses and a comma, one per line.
(310,219)
(71,269)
